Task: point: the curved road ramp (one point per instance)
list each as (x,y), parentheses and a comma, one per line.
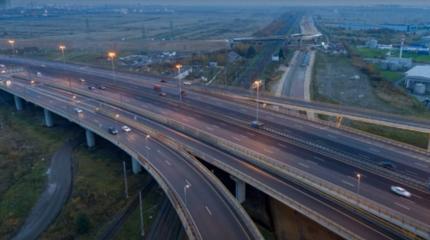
(56,193)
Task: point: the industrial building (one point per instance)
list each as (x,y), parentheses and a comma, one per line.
(418,79)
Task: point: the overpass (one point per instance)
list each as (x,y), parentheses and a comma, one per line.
(159,106)
(275,186)
(205,191)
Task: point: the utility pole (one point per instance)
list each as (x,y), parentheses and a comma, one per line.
(125,179)
(142,229)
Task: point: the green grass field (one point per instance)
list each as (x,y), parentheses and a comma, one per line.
(25,151)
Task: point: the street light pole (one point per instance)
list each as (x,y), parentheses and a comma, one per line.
(12,44)
(179,66)
(186,187)
(62,48)
(358,182)
(257,84)
(125,179)
(112,56)
(142,229)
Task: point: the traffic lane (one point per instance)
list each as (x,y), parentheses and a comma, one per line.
(343,143)
(342,171)
(177,177)
(304,165)
(415,171)
(246,112)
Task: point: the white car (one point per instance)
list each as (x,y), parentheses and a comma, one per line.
(400,191)
(126,128)
(78,110)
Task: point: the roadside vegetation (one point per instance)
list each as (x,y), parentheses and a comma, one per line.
(353,82)
(151,205)
(26,148)
(98,193)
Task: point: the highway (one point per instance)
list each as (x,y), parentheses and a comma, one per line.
(289,190)
(300,162)
(175,172)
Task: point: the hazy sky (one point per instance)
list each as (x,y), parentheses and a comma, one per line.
(234,2)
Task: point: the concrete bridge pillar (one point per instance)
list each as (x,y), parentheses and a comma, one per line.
(428,144)
(49,121)
(339,121)
(240,190)
(18,103)
(135,166)
(91,140)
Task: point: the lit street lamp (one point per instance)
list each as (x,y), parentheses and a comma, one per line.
(358,182)
(12,44)
(62,48)
(179,66)
(112,56)
(186,187)
(257,85)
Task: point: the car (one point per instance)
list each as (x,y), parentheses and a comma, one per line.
(183,93)
(39,74)
(387,165)
(257,124)
(163,80)
(126,128)
(101,87)
(188,83)
(113,131)
(82,80)
(78,110)
(91,88)
(401,191)
(163,94)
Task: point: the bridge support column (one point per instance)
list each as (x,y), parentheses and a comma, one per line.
(91,140)
(428,145)
(240,190)
(18,103)
(135,166)
(339,121)
(49,121)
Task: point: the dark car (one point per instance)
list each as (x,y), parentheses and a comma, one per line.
(256,124)
(101,87)
(113,131)
(91,88)
(387,165)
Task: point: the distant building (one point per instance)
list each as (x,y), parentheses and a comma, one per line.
(372,43)
(233,57)
(418,75)
(275,57)
(396,64)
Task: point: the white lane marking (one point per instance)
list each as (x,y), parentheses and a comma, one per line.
(168,163)
(237,139)
(419,197)
(304,165)
(348,183)
(187,182)
(374,150)
(282,145)
(319,159)
(402,206)
(149,149)
(421,164)
(209,211)
(209,128)
(411,173)
(331,136)
(268,150)
(250,134)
